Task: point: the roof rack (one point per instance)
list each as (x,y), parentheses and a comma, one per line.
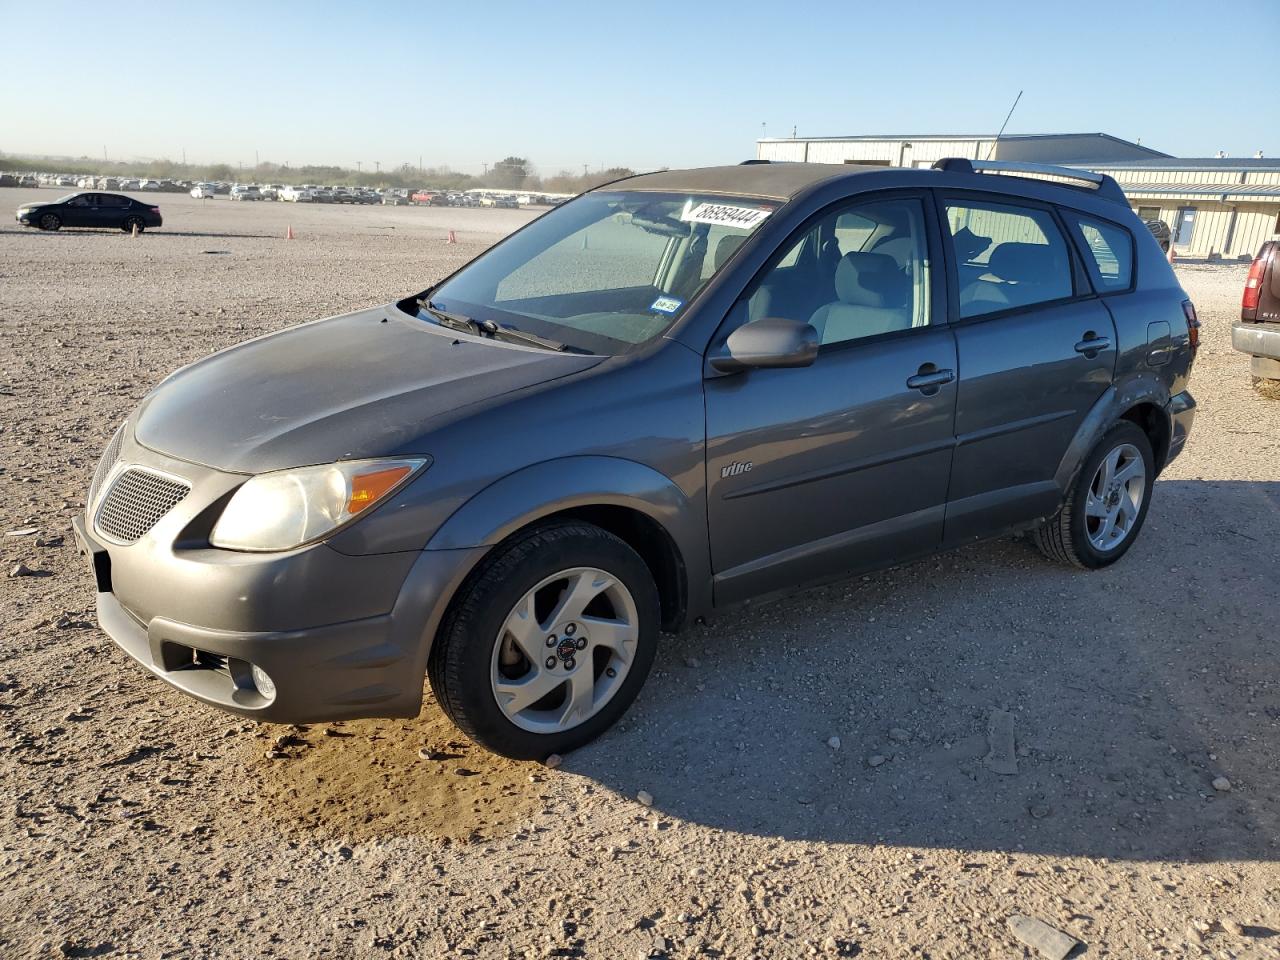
(748,163)
(1079,179)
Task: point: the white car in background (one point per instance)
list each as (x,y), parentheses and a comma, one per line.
(243,191)
(270,191)
(204,191)
(295,194)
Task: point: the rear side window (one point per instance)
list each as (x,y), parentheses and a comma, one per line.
(1007,257)
(1109,252)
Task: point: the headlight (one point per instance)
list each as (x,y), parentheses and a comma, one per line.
(280,511)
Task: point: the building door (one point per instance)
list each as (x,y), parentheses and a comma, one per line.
(1184,227)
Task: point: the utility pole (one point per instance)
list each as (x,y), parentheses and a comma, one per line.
(764,130)
(358,170)
(256,161)
(377,166)
(184,156)
(104,152)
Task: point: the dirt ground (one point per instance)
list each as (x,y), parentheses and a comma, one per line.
(138,823)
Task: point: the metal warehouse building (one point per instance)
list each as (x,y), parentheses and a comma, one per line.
(1216,207)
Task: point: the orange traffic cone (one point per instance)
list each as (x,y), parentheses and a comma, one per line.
(288,234)
(134,231)
(451,238)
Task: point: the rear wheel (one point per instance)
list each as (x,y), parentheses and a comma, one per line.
(1107,504)
(548,642)
(133,222)
(50,221)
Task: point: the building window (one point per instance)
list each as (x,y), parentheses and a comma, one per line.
(1148,213)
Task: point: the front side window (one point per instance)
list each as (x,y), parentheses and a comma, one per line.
(1110,252)
(861,271)
(1007,257)
(606,273)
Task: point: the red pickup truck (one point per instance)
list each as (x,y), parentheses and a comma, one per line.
(428,197)
(1257,332)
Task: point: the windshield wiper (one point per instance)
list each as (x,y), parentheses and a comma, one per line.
(455,320)
(497,330)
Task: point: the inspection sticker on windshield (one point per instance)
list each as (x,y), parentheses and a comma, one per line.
(666,304)
(740,218)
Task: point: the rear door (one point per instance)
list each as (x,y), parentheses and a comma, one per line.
(1036,350)
(842,465)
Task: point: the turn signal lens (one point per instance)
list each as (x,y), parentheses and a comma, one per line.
(280,511)
(367,488)
(1253,289)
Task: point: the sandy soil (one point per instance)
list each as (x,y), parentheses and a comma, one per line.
(138,823)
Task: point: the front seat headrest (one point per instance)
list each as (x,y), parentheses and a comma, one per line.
(871,280)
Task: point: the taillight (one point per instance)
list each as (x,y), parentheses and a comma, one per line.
(1253,289)
(1193,325)
(155,209)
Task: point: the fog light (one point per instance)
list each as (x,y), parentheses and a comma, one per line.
(264,683)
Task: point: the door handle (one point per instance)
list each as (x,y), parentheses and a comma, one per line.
(927,379)
(1091,345)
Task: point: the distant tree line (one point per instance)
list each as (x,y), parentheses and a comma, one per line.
(509,173)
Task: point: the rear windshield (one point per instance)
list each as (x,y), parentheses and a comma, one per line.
(607,272)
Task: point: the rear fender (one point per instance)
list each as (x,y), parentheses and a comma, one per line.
(1110,407)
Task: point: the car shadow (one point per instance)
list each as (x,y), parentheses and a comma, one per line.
(1130,691)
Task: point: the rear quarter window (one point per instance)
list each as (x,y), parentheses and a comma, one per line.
(1108,252)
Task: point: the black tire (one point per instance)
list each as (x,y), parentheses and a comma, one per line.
(1065,537)
(50,221)
(461,660)
(1266,387)
(131,222)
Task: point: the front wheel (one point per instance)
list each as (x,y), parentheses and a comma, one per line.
(1106,505)
(548,642)
(50,221)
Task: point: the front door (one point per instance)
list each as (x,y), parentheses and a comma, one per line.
(842,465)
(1185,227)
(80,211)
(1036,351)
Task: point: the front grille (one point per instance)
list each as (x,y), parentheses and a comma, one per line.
(109,458)
(136,500)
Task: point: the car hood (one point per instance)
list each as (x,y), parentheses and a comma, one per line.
(360,385)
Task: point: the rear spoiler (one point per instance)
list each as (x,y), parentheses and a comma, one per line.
(1103,185)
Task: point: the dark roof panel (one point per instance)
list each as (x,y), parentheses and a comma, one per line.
(780,181)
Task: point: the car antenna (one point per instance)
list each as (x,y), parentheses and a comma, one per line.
(992,148)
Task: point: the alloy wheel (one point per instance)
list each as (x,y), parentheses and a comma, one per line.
(1114,499)
(564,650)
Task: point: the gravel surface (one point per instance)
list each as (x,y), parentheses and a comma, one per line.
(896,765)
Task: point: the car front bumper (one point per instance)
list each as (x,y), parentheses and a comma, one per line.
(1262,342)
(339,636)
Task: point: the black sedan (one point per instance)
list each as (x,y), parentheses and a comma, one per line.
(109,210)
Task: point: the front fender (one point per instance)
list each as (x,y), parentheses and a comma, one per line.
(1110,407)
(554,486)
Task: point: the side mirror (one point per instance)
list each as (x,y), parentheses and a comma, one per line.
(769,342)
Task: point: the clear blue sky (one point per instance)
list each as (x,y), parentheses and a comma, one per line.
(661,84)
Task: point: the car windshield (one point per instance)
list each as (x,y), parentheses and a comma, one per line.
(606,273)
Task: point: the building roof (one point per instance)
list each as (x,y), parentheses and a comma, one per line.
(963,136)
(1224,191)
(780,181)
(1166,164)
